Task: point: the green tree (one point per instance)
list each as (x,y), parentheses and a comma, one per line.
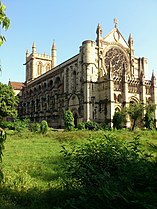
(4,21)
(149,116)
(68,120)
(8,102)
(117,120)
(135,111)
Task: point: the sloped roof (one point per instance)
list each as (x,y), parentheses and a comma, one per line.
(16,85)
(116,36)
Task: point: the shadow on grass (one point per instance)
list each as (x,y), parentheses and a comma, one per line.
(32,199)
(48,170)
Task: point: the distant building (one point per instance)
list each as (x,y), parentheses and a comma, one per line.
(102,78)
(17,87)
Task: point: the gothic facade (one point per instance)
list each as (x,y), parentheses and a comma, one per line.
(102,78)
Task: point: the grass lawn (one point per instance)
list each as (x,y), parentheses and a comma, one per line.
(31,164)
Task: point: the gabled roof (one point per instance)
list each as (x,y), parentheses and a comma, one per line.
(116,37)
(16,85)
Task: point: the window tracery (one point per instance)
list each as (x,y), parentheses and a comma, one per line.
(116,59)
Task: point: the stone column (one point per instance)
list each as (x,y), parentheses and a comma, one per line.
(110,105)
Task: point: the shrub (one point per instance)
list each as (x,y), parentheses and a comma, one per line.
(111,173)
(91,125)
(43,127)
(117,120)
(81,126)
(7,124)
(34,127)
(21,124)
(68,120)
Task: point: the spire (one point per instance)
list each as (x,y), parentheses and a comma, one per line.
(153,76)
(27,52)
(53,54)
(99,29)
(115,22)
(130,41)
(54,45)
(153,79)
(33,47)
(99,34)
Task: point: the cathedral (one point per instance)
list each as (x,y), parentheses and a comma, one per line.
(104,77)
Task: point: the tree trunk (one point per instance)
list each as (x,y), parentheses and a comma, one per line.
(133,126)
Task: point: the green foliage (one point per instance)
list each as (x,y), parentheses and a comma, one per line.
(89,125)
(135,111)
(43,127)
(2,138)
(112,173)
(4,21)
(34,127)
(81,126)
(149,116)
(21,124)
(8,101)
(119,119)
(68,120)
(7,125)
(34,179)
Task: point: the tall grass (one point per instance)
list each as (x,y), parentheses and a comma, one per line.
(33,175)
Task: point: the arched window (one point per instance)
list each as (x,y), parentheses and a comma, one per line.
(47,67)
(39,68)
(57,82)
(50,84)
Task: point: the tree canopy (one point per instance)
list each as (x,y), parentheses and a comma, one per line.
(135,111)
(8,102)
(149,116)
(4,21)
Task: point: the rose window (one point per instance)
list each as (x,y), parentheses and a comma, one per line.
(117,59)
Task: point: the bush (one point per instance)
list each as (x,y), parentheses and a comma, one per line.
(34,127)
(68,120)
(81,126)
(112,173)
(21,124)
(91,125)
(117,120)
(43,127)
(7,124)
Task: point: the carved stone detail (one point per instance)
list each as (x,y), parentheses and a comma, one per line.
(117,59)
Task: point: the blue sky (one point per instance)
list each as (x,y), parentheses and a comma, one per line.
(69,23)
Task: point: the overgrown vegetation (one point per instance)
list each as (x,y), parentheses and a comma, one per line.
(89,125)
(107,173)
(68,120)
(80,169)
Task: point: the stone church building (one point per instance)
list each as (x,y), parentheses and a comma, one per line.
(102,78)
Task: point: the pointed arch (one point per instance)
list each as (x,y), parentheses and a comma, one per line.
(39,68)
